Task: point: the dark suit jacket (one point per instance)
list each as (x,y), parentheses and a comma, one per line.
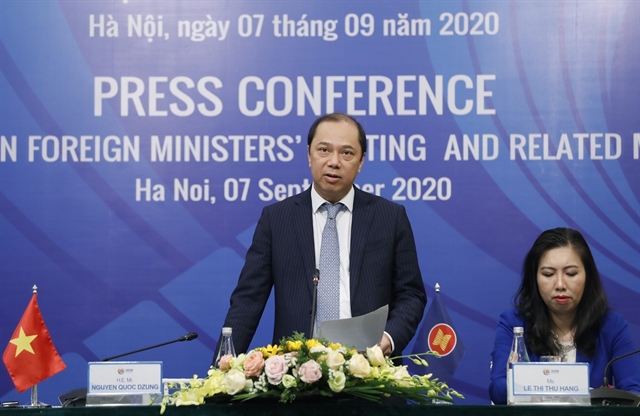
(383,268)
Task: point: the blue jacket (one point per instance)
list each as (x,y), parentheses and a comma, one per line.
(614,339)
(383,269)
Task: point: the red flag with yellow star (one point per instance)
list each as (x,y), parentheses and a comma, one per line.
(31,356)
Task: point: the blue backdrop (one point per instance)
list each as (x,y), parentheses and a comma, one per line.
(139,142)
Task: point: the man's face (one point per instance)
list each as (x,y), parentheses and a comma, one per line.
(335,159)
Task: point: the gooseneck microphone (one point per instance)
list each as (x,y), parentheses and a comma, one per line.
(606,368)
(78,397)
(608,396)
(188,337)
(315,278)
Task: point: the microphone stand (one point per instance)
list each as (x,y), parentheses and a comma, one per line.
(315,279)
(78,397)
(608,396)
(188,337)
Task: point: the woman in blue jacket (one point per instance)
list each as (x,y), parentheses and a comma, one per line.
(564,311)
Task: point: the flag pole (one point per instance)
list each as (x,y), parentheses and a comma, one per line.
(26,370)
(34,395)
(34,388)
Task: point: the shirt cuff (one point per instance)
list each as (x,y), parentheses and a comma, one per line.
(393,347)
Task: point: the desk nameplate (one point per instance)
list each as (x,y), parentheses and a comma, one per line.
(542,383)
(124,382)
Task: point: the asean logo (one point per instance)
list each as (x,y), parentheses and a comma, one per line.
(442,339)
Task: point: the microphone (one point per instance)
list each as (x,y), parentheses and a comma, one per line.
(315,278)
(188,337)
(607,396)
(78,397)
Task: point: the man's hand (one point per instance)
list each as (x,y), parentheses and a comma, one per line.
(385,345)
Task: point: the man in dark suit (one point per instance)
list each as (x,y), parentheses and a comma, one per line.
(378,260)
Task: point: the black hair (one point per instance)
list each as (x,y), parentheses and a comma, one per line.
(592,307)
(337,117)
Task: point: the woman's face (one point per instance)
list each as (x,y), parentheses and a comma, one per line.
(561,279)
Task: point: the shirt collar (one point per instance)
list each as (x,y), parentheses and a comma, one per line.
(317,200)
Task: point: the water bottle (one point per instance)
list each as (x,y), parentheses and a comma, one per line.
(225,347)
(518,353)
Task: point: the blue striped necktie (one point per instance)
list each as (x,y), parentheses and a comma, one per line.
(329,284)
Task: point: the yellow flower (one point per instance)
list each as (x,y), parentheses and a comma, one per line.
(213,384)
(270,350)
(294,345)
(348,370)
(312,343)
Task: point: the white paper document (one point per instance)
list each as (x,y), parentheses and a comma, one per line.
(361,332)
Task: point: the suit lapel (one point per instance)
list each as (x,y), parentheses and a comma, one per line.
(360,228)
(302,221)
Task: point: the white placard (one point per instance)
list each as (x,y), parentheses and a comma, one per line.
(125,377)
(544,379)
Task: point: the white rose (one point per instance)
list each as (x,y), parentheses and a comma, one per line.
(375,356)
(359,366)
(234,381)
(335,360)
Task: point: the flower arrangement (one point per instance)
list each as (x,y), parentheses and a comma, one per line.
(299,367)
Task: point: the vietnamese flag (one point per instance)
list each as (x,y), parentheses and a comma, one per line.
(31,356)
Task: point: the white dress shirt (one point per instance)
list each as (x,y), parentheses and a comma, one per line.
(343,225)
